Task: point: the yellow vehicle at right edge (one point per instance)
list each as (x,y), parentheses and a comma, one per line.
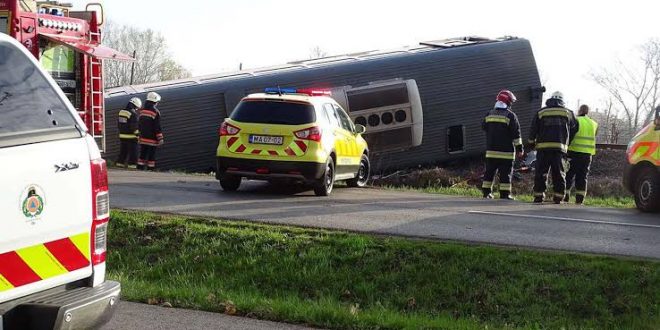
(642,175)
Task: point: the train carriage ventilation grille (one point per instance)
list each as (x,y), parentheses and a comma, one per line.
(390,107)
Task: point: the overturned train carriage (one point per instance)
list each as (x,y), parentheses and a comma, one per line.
(421,105)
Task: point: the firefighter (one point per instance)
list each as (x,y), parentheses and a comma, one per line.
(553,129)
(504,144)
(151,135)
(580,152)
(127,125)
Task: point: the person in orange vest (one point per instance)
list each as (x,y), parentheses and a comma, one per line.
(580,152)
(151,134)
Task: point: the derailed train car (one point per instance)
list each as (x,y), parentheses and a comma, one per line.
(421,105)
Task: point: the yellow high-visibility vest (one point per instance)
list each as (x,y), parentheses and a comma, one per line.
(585,139)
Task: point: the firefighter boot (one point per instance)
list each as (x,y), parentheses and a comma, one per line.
(579,199)
(507,195)
(558,199)
(538,198)
(487,193)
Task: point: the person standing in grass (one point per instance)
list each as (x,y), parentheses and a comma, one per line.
(580,152)
(503,143)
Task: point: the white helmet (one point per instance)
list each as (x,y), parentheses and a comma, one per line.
(153,97)
(558,96)
(136,102)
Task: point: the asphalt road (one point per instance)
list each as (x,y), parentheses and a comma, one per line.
(557,227)
(132,316)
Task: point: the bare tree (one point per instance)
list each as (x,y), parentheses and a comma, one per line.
(609,122)
(317,52)
(634,86)
(154,62)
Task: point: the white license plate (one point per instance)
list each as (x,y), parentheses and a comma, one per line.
(266,139)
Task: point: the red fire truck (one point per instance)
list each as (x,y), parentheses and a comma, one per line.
(68,45)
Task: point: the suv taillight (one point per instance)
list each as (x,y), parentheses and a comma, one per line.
(100,210)
(312,133)
(228,129)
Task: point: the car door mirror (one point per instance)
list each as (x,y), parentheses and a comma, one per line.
(359,129)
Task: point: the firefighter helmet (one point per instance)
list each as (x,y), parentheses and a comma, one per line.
(136,102)
(153,97)
(506,96)
(558,97)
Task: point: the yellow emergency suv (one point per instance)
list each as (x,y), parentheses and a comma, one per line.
(292,135)
(642,175)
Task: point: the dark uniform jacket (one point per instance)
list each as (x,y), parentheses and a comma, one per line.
(149,125)
(553,128)
(127,123)
(502,134)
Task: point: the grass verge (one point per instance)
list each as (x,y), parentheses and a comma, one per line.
(598,201)
(342,280)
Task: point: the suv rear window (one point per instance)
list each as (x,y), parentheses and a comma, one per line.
(28,103)
(274,112)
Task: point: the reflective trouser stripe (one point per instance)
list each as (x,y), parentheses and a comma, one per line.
(505,186)
(517,142)
(581,192)
(560,195)
(539,194)
(500,155)
(487,185)
(127,136)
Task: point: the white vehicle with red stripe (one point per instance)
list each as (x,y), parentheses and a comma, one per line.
(292,135)
(54,203)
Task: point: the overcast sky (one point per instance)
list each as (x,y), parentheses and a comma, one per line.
(569,38)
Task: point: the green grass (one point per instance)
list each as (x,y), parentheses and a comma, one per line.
(611,202)
(342,280)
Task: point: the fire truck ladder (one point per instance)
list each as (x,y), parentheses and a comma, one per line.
(97,102)
(97,98)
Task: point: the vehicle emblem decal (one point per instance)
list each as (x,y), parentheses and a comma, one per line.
(66,167)
(32,203)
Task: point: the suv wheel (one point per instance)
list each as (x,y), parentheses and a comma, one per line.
(230,182)
(325,184)
(647,191)
(362,174)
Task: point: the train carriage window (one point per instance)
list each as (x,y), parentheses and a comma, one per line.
(456,139)
(378,97)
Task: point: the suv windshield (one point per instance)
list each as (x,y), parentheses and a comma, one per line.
(28,103)
(274,112)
